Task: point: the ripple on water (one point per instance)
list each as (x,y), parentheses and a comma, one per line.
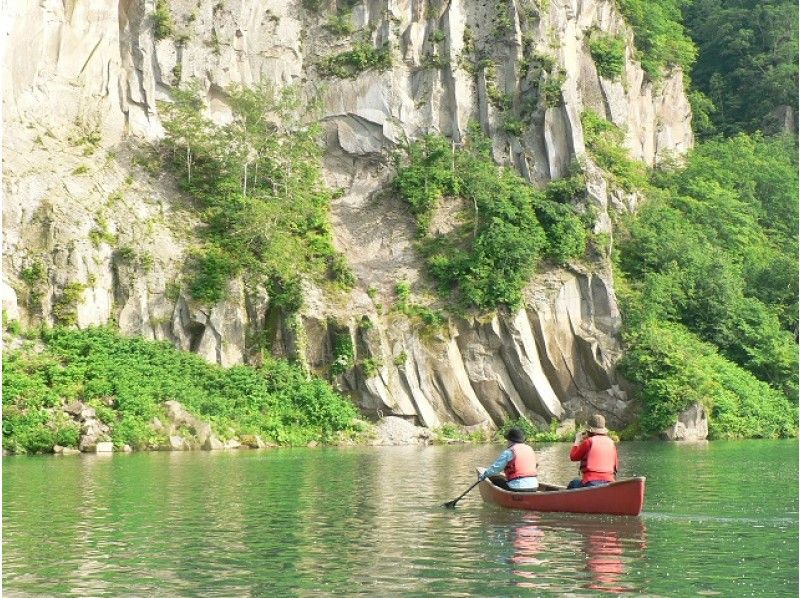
(363,521)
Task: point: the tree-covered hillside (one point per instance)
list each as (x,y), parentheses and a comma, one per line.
(707,267)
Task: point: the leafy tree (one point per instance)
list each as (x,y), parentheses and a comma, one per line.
(659,35)
(258,182)
(700,252)
(509,227)
(747,63)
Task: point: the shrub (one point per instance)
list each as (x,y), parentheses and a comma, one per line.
(340,24)
(163,25)
(260,189)
(608,53)
(278,400)
(604,142)
(487,260)
(363,57)
(659,35)
(65,308)
(674,369)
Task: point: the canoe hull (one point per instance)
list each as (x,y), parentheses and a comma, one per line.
(625,497)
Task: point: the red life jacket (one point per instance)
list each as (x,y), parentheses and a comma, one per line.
(601,459)
(523,464)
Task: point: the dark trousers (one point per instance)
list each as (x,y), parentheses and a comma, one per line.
(578,484)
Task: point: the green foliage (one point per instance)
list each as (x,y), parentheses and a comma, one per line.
(34,274)
(163,26)
(702,114)
(488,258)
(343,353)
(341,23)
(748,62)
(65,308)
(277,400)
(363,57)
(711,262)
(604,143)
(371,366)
(659,35)
(100,233)
(674,369)
(533,433)
(213,268)
(438,36)
(258,182)
(449,433)
(608,53)
(550,90)
(514,126)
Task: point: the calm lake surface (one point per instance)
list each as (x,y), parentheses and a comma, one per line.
(719,519)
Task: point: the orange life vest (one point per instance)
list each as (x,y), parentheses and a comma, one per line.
(523,464)
(602,456)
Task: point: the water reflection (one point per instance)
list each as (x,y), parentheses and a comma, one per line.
(602,550)
(303,522)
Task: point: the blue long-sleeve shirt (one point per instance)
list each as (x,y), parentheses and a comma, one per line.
(529,483)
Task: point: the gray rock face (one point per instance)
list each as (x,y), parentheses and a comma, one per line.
(692,425)
(83,81)
(394,431)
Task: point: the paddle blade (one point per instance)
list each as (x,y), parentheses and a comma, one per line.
(451,504)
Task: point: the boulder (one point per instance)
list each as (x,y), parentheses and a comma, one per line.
(213,443)
(398,431)
(175,443)
(65,450)
(87,413)
(232,444)
(126,448)
(252,441)
(75,408)
(104,447)
(692,425)
(179,416)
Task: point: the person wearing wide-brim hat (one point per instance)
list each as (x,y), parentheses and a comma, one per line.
(518,462)
(597,454)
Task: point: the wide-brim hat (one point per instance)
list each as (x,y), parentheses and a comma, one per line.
(515,435)
(597,424)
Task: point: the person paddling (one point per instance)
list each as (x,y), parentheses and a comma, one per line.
(518,462)
(597,454)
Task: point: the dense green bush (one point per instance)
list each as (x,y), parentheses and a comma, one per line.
(659,35)
(608,53)
(747,63)
(604,141)
(363,57)
(715,249)
(163,25)
(673,369)
(278,400)
(509,227)
(258,183)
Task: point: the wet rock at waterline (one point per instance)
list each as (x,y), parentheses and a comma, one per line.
(692,425)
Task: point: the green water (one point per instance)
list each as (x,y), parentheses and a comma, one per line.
(719,519)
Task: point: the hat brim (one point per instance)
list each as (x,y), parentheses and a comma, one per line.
(598,430)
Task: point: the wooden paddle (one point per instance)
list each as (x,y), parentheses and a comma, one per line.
(452,504)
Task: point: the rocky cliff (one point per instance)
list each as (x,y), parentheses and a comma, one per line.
(92,235)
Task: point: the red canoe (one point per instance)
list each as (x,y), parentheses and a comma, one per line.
(625,497)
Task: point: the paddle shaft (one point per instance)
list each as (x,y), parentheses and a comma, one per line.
(453,502)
